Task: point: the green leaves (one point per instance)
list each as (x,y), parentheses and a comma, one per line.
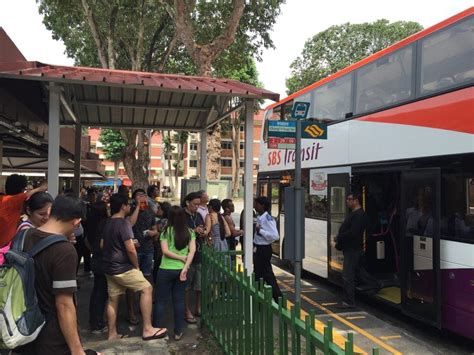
(113,144)
(340,46)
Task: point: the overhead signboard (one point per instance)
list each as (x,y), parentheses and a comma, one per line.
(300,110)
(313,130)
(281,143)
(283,129)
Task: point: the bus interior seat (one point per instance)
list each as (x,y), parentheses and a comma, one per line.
(445,81)
(464,77)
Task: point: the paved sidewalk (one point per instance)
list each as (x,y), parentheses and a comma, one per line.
(194,341)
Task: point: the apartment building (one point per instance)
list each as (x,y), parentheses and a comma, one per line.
(189,166)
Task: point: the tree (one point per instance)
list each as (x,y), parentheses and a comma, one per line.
(246,73)
(219,35)
(339,46)
(112,146)
(180,139)
(168,149)
(135,35)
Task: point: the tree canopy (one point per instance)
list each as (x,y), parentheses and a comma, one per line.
(112,144)
(339,46)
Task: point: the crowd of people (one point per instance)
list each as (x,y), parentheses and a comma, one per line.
(131,244)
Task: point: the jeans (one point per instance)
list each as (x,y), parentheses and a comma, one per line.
(145,262)
(169,284)
(83,251)
(263,269)
(353,270)
(98,302)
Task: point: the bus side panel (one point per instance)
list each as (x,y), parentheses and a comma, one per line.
(457,282)
(316,251)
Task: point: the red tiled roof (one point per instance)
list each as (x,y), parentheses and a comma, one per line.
(142,79)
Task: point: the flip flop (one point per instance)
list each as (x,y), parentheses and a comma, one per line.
(178,337)
(190,320)
(156,335)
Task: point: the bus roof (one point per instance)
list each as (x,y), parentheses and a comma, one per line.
(377,55)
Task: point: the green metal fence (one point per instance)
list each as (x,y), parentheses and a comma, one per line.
(244,319)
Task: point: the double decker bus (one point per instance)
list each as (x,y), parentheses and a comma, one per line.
(401,131)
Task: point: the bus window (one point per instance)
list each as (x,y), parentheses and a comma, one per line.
(385,82)
(331,101)
(275,198)
(457,208)
(263,190)
(314,206)
(446,58)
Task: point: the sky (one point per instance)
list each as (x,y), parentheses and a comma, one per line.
(299,21)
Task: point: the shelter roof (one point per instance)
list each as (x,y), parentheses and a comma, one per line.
(126,99)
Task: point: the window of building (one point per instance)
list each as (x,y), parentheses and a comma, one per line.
(446,58)
(193,146)
(193,163)
(242,145)
(242,164)
(226,145)
(242,128)
(385,82)
(226,162)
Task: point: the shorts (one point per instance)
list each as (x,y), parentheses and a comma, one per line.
(194,278)
(129,280)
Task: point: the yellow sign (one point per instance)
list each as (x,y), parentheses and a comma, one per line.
(314,130)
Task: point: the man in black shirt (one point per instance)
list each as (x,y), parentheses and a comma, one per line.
(350,241)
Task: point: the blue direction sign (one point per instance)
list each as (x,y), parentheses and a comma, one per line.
(300,110)
(283,129)
(313,130)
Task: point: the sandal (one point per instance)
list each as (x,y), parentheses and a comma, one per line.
(178,337)
(190,320)
(157,335)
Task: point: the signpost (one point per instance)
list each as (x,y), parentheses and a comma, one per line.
(288,135)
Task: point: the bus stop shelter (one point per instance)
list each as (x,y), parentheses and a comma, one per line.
(92,97)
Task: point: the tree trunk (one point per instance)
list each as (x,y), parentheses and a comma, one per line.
(136,157)
(235,156)
(116,171)
(214,153)
(170,167)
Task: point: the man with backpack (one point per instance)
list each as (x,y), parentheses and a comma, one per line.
(55,279)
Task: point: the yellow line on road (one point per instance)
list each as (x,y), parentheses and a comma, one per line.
(338,339)
(346,322)
(329,304)
(391,337)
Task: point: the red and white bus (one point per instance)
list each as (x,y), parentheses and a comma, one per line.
(400,130)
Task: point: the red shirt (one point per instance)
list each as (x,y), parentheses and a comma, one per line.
(11,207)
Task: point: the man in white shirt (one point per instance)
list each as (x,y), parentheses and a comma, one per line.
(266,233)
(202,209)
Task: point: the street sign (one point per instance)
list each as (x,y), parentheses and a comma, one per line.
(281,143)
(300,110)
(283,129)
(313,130)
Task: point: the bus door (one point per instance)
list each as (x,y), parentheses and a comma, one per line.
(338,188)
(420,245)
(272,189)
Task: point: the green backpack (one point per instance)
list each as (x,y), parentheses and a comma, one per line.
(21,319)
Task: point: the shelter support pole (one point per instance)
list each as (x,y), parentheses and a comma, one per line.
(203,155)
(1,157)
(76,183)
(53,140)
(248,190)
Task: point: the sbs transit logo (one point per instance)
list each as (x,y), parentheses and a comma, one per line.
(314,130)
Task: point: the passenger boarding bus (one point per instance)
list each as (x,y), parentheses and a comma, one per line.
(401,131)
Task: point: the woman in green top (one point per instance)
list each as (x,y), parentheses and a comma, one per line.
(178,244)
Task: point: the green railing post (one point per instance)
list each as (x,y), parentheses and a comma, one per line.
(268,320)
(375,351)
(297,316)
(293,330)
(312,350)
(285,326)
(349,348)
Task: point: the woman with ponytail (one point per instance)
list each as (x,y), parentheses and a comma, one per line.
(178,244)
